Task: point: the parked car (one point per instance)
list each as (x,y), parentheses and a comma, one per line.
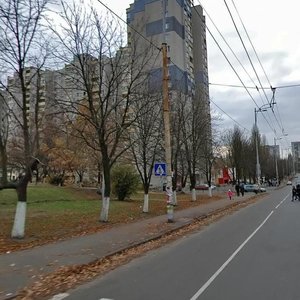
(253,188)
(204,187)
(262,189)
(289,183)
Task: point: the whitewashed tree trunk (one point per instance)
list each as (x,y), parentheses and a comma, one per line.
(18,230)
(105,209)
(174,197)
(194,197)
(146,203)
(210,191)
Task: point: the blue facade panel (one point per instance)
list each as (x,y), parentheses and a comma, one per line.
(178,80)
(138,6)
(172,23)
(200,77)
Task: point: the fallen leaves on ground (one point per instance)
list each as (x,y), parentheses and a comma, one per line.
(68,277)
(43,227)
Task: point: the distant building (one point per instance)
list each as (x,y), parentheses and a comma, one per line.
(296,156)
(274,150)
(182,27)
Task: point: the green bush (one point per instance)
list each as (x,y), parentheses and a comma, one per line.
(57,180)
(125,181)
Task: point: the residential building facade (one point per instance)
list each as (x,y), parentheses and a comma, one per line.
(180,25)
(296,156)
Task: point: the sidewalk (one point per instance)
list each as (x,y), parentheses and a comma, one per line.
(22,268)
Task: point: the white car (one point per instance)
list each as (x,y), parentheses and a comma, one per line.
(289,183)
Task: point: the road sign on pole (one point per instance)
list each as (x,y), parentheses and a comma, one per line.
(160,169)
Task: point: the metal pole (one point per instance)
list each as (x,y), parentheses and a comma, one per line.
(276,166)
(166,117)
(256,146)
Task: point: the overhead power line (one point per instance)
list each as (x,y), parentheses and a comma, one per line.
(140,34)
(241,39)
(273,129)
(230,64)
(131,27)
(251,43)
(254,87)
(230,116)
(271,103)
(159,48)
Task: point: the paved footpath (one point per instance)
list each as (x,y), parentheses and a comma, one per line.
(22,268)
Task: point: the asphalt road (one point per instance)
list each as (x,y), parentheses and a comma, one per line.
(251,254)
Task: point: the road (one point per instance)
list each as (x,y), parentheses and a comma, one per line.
(251,254)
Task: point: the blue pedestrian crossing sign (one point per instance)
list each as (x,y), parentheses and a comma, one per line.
(160,169)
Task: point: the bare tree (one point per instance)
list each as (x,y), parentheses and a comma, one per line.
(178,119)
(194,135)
(210,150)
(108,79)
(20,36)
(146,137)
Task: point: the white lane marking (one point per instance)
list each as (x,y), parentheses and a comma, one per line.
(218,272)
(105,299)
(60,296)
(283,200)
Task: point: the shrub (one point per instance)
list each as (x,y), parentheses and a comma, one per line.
(57,180)
(125,181)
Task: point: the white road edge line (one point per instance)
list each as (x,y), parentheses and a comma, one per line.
(60,296)
(218,272)
(282,200)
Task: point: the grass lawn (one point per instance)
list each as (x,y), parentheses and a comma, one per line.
(55,213)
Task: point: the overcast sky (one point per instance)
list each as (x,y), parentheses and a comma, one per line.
(274,30)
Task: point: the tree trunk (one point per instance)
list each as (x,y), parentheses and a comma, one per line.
(18,230)
(106,192)
(146,203)
(210,191)
(194,197)
(105,209)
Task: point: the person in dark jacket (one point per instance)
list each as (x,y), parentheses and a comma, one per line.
(298,192)
(237,189)
(242,190)
(293,193)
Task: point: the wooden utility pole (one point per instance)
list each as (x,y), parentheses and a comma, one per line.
(166,117)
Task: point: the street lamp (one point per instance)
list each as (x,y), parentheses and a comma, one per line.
(258,170)
(275,152)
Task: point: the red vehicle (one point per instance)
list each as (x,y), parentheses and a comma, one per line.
(204,187)
(201,187)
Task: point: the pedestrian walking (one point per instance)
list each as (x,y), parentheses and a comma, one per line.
(242,189)
(230,194)
(294,192)
(237,189)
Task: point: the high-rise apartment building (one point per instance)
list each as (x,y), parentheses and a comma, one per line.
(274,150)
(180,25)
